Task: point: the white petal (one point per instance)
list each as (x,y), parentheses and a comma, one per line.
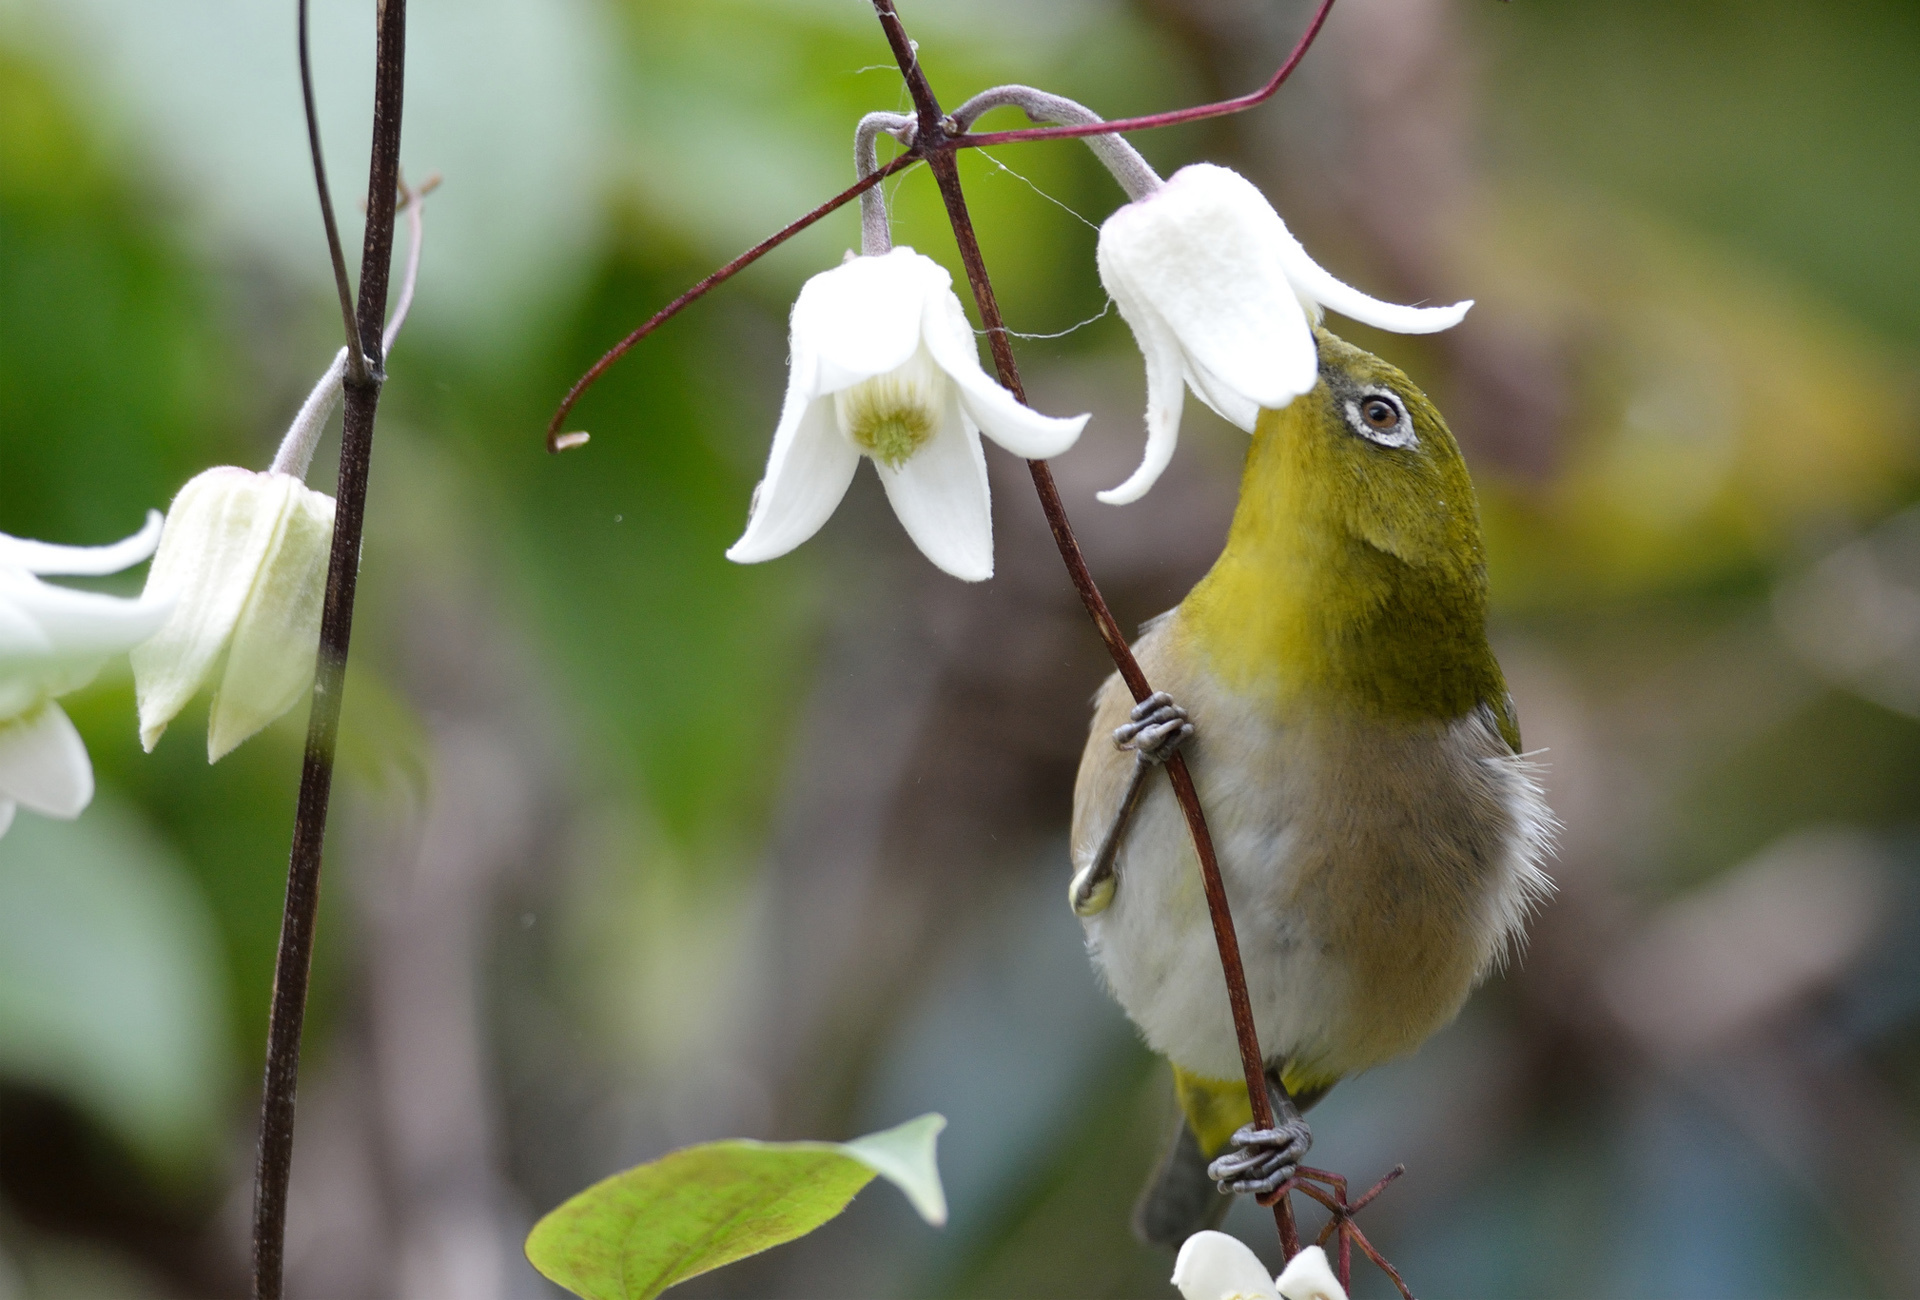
(43,763)
(7,807)
(1316,282)
(219,531)
(1231,405)
(941,496)
(807,474)
(270,660)
(21,636)
(1307,1276)
(1213,1266)
(26,687)
(69,624)
(1000,415)
(861,319)
(1166,398)
(93,561)
(1201,250)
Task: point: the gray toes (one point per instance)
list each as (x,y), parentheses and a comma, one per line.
(1263,1159)
(1159,727)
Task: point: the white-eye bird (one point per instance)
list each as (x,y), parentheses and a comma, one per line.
(1358,760)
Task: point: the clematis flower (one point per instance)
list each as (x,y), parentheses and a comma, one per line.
(883,365)
(1215,1266)
(1221,297)
(244,562)
(52,641)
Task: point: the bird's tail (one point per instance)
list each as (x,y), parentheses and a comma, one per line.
(1179,1200)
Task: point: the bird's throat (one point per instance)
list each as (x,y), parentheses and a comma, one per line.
(1303,612)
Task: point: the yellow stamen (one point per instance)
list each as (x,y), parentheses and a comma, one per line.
(891,416)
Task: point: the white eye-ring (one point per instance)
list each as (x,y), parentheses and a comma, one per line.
(1380,416)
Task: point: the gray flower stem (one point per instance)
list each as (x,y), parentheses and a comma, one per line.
(1122,159)
(303,435)
(876,236)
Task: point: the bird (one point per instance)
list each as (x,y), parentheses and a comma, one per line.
(1380,831)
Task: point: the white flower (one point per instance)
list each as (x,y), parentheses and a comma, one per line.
(883,364)
(52,641)
(244,560)
(1214,1266)
(1222,296)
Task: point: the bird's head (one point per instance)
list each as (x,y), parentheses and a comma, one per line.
(1366,457)
(1354,567)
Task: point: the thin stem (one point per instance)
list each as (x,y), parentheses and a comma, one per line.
(930,138)
(558,441)
(293,967)
(946,172)
(876,236)
(340,284)
(1132,171)
(303,435)
(1199,112)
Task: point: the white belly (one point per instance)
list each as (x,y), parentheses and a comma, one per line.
(1376,872)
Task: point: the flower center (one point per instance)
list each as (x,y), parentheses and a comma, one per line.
(891,416)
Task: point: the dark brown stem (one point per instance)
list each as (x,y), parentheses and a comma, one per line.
(556,441)
(356,363)
(930,138)
(1197,113)
(294,964)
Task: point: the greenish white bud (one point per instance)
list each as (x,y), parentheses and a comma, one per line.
(244,560)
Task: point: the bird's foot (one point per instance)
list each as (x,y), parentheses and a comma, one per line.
(1159,727)
(1264,1159)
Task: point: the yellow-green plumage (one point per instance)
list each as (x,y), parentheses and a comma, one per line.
(1355,752)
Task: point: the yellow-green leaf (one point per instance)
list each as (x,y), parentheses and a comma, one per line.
(631,1236)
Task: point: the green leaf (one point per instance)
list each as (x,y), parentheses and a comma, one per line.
(631,1236)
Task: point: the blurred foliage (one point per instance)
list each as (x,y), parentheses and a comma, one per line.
(1706,209)
(110,988)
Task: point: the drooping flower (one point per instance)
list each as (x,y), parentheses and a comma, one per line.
(883,364)
(1215,1266)
(1223,298)
(244,562)
(54,640)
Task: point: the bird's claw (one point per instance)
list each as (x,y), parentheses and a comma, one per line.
(1159,727)
(1263,1158)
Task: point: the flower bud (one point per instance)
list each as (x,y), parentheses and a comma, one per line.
(244,559)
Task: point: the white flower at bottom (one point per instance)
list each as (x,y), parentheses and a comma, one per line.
(1222,297)
(1214,1266)
(244,560)
(52,641)
(883,365)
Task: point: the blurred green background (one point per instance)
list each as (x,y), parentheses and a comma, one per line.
(634,847)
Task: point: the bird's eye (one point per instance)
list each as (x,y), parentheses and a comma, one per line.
(1380,417)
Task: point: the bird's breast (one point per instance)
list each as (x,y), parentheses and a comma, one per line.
(1375,871)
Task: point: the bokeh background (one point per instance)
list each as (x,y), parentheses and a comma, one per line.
(635,848)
